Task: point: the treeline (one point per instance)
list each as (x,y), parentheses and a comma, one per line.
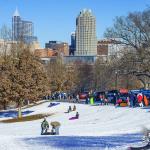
(128,68)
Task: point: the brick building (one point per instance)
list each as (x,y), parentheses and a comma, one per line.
(61,47)
(45,53)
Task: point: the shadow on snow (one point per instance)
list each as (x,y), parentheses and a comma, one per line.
(84,142)
(13,113)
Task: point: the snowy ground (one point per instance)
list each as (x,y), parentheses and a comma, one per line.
(98,128)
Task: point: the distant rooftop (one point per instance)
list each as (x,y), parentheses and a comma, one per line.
(86,12)
(16,13)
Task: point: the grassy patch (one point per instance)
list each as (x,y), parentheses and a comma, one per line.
(26,118)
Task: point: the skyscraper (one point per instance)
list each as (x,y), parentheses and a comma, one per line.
(16,26)
(86,42)
(73,44)
(21,29)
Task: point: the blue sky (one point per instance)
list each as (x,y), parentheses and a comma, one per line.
(55,19)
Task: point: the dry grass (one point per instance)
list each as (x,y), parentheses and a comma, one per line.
(26,118)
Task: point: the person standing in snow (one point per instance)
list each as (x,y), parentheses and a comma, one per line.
(140,99)
(86,100)
(101,99)
(105,101)
(44,126)
(131,99)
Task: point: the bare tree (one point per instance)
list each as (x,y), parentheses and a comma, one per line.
(134,31)
(85,76)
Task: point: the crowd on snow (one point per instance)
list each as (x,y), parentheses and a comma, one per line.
(132,98)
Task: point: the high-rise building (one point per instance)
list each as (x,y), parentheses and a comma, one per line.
(86,42)
(16,26)
(22,30)
(72,47)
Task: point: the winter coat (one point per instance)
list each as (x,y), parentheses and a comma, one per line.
(45,125)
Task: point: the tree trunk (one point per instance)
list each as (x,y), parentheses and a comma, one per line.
(19,112)
(19,109)
(4,105)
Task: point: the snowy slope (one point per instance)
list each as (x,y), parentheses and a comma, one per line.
(110,126)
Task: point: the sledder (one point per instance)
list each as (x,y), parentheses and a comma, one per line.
(55,128)
(76,116)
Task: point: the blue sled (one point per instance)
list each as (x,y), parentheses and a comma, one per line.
(53,104)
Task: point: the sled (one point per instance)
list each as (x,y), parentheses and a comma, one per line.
(47,133)
(53,104)
(73,118)
(67,112)
(146,147)
(97,104)
(123,104)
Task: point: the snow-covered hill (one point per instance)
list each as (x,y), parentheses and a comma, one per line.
(98,127)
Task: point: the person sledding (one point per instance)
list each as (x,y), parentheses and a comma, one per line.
(76,116)
(74,108)
(44,126)
(51,104)
(55,127)
(69,109)
(53,132)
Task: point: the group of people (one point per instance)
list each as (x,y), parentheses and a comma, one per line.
(73,109)
(70,109)
(72,97)
(103,100)
(45,128)
(55,128)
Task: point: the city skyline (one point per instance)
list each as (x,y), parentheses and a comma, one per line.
(55,20)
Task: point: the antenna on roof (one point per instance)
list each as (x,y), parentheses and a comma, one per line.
(16,13)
